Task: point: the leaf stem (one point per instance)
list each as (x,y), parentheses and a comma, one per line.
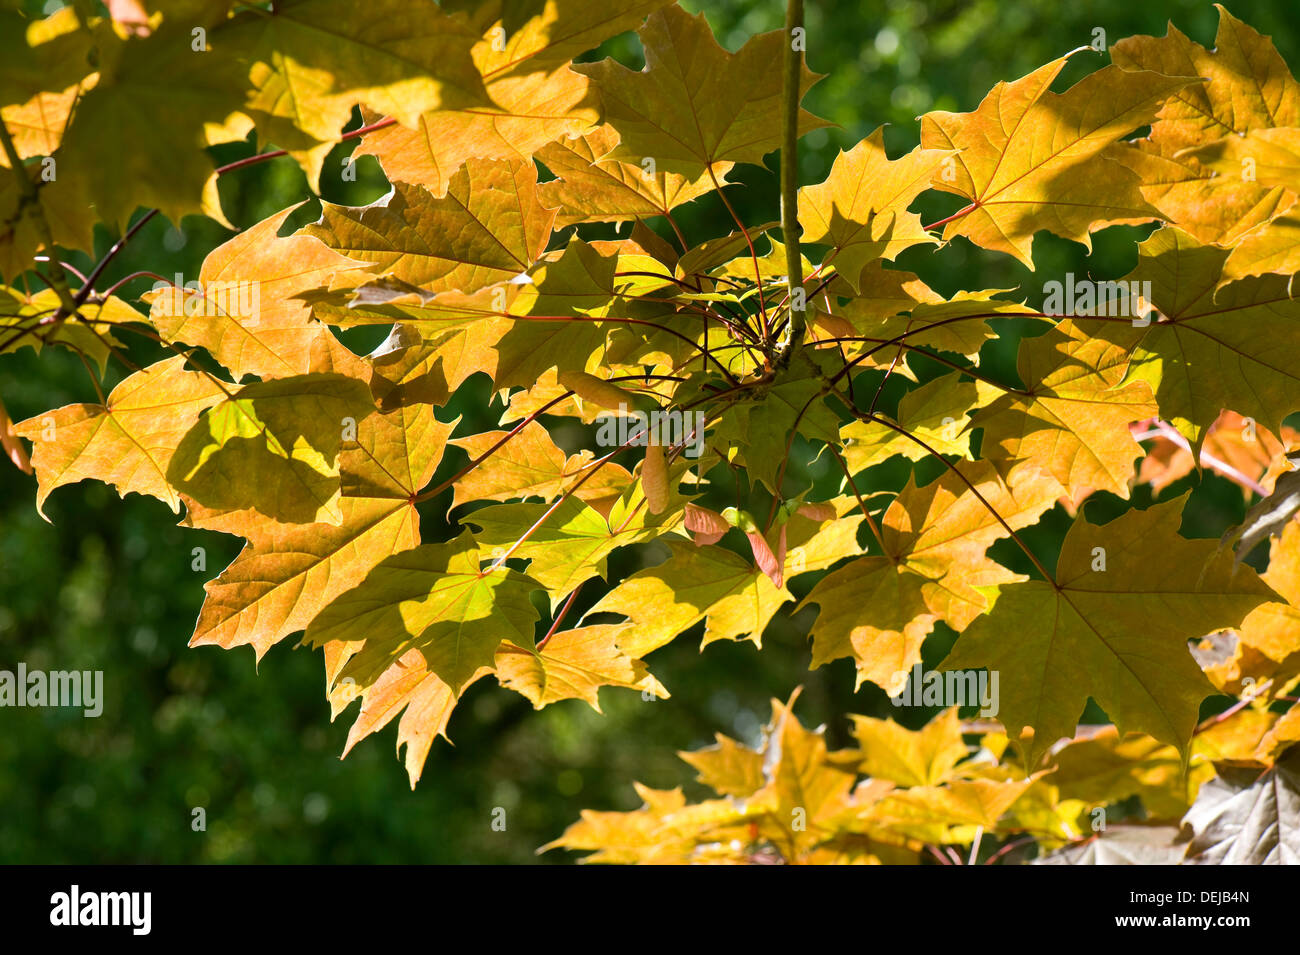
(758,275)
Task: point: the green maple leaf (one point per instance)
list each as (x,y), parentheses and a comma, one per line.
(272,448)
(695,104)
(159,95)
(433,599)
(765,424)
(694,584)
(1117,634)
(1211,346)
(570,547)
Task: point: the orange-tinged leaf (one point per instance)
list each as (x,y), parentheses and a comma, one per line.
(1266,250)
(287,573)
(1074,423)
(533,97)
(1247,88)
(244,311)
(1218,209)
(37,125)
(130,440)
(592,188)
(1248,85)
(311,61)
(1233,440)
(424,702)
(861,208)
(573,665)
(1271,156)
(529,110)
(489,226)
(1031,159)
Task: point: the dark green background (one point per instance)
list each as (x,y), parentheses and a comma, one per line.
(108,584)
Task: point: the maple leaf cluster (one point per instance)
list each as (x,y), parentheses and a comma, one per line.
(717,361)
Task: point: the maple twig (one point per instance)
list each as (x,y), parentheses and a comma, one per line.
(1234,709)
(625,321)
(791,68)
(880,388)
(93,380)
(140,328)
(108,345)
(681,239)
(101,296)
(758,273)
(937,854)
(1010,846)
(555,625)
(956,215)
(66,267)
(277,153)
(923,350)
(30,196)
(568,493)
(528,419)
(871,521)
(865,416)
(117,247)
(923,328)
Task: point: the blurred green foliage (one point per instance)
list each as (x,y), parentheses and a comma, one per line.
(109,585)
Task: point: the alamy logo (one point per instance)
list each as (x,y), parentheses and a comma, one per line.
(84,688)
(636,429)
(75,907)
(1086,298)
(951,688)
(234,299)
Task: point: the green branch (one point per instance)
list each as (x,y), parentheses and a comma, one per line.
(791,63)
